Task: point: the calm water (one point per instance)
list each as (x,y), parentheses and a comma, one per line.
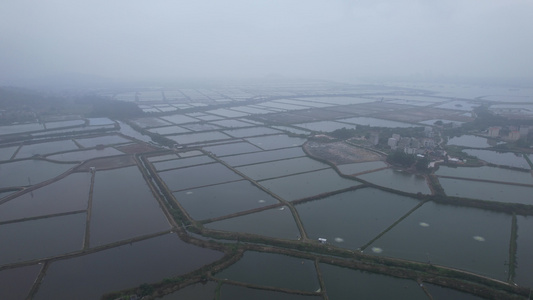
(60,124)
(201,126)
(263,156)
(309,184)
(179,119)
(122,267)
(16,283)
(486,173)
(281,168)
(223,199)
(470,141)
(232,149)
(232,292)
(352,219)
(191,177)
(398,180)
(57,197)
(231,123)
(41,238)
(183,162)
(442,293)
(277,223)
(470,239)
(85,154)
(343,283)
(199,291)
(276,142)
(46,148)
(21,173)
(123,201)
(325,126)
(102,140)
(200,137)
(355,168)
(505,159)
(274,270)
(12,129)
(228,113)
(248,132)
(487,191)
(373,122)
(169,130)
(524,255)
(7,152)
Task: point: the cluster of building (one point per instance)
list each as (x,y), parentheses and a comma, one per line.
(514,132)
(412,145)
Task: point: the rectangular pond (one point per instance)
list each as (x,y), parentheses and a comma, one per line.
(123,201)
(344,283)
(16,283)
(354,218)
(280,168)
(524,252)
(397,180)
(355,168)
(274,270)
(223,199)
(309,184)
(200,137)
(276,142)
(263,156)
(487,191)
(486,173)
(469,239)
(147,261)
(505,159)
(45,148)
(182,162)
(28,172)
(57,197)
(197,176)
(232,149)
(42,238)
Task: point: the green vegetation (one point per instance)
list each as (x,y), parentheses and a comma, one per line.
(400,158)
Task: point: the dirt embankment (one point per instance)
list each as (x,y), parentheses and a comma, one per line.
(340,153)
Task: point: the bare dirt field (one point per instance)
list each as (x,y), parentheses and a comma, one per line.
(339,152)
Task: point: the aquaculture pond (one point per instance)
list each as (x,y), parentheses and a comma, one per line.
(169,130)
(442,293)
(232,149)
(263,156)
(276,223)
(276,142)
(41,238)
(248,132)
(231,292)
(83,155)
(198,291)
(7,152)
(355,168)
(179,119)
(344,283)
(123,267)
(486,173)
(505,159)
(57,197)
(45,148)
(398,180)
(275,270)
(487,191)
(123,201)
(373,122)
(102,140)
(28,172)
(197,176)
(182,162)
(223,199)
(354,218)
(309,184)
(325,126)
(469,239)
(16,283)
(200,137)
(524,255)
(472,141)
(281,168)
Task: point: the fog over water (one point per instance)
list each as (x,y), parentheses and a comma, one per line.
(339,40)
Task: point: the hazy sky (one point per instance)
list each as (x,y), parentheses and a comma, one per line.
(327,39)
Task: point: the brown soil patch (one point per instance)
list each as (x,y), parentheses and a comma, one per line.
(340,153)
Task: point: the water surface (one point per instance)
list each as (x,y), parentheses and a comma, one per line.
(16,283)
(147,261)
(281,168)
(402,181)
(263,156)
(486,173)
(524,253)
(191,177)
(498,158)
(28,172)
(487,191)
